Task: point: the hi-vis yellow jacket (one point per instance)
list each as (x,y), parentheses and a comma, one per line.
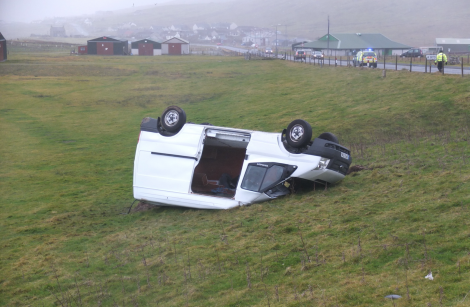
(441,57)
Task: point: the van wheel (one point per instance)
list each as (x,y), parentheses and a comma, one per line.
(299,133)
(173,119)
(328,136)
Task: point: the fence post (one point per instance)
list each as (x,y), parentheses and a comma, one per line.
(411,62)
(396,62)
(461,65)
(426,66)
(340,61)
(384,60)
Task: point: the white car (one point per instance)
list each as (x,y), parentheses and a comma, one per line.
(209,167)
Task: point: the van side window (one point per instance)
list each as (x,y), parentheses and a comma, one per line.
(253,177)
(259,177)
(273,175)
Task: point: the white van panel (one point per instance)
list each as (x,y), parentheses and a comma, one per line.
(184,143)
(184,200)
(160,172)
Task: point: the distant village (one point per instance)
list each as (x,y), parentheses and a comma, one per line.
(220,32)
(132,38)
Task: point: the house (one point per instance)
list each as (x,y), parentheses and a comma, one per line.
(200,26)
(220,26)
(57,31)
(261,37)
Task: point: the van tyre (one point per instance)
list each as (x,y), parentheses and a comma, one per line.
(328,136)
(173,119)
(299,133)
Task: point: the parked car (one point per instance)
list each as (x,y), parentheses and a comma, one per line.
(317,55)
(300,55)
(210,167)
(365,58)
(413,53)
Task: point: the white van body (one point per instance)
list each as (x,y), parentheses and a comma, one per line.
(184,169)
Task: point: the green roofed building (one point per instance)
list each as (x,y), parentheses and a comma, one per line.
(353,42)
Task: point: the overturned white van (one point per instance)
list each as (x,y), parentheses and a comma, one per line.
(208,167)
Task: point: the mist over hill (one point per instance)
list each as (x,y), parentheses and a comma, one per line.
(416,23)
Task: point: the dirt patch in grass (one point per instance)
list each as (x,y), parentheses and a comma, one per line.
(141,206)
(357,168)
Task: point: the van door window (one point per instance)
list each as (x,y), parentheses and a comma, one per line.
(261,176)
(273,175)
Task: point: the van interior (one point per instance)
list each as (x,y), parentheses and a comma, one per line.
(219,168)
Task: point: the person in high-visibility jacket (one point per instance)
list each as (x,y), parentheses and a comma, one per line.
(441,58)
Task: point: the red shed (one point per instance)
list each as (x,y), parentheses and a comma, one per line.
(107,46)
(175,46)
(82,49)
(146,47)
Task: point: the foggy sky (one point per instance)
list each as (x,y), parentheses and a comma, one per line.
(29,10)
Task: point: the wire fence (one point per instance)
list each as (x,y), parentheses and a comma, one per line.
(457,64)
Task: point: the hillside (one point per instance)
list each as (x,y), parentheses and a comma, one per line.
(69,129)
(416,23)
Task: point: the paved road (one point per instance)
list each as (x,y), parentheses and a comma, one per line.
(391,66)
(388,66)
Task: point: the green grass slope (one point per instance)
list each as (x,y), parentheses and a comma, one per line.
(69,127)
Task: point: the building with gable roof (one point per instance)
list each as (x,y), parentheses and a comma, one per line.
(146,47)
(57,31)
(3,48)
(454,45)
(106,45)
(350,42)
(175,46)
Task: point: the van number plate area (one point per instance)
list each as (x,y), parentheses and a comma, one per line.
(344,156)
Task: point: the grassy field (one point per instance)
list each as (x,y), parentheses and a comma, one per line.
(69,126)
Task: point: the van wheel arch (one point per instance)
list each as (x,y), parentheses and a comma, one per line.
(328,136)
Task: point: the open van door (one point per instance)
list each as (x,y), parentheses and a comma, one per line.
(167,163)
